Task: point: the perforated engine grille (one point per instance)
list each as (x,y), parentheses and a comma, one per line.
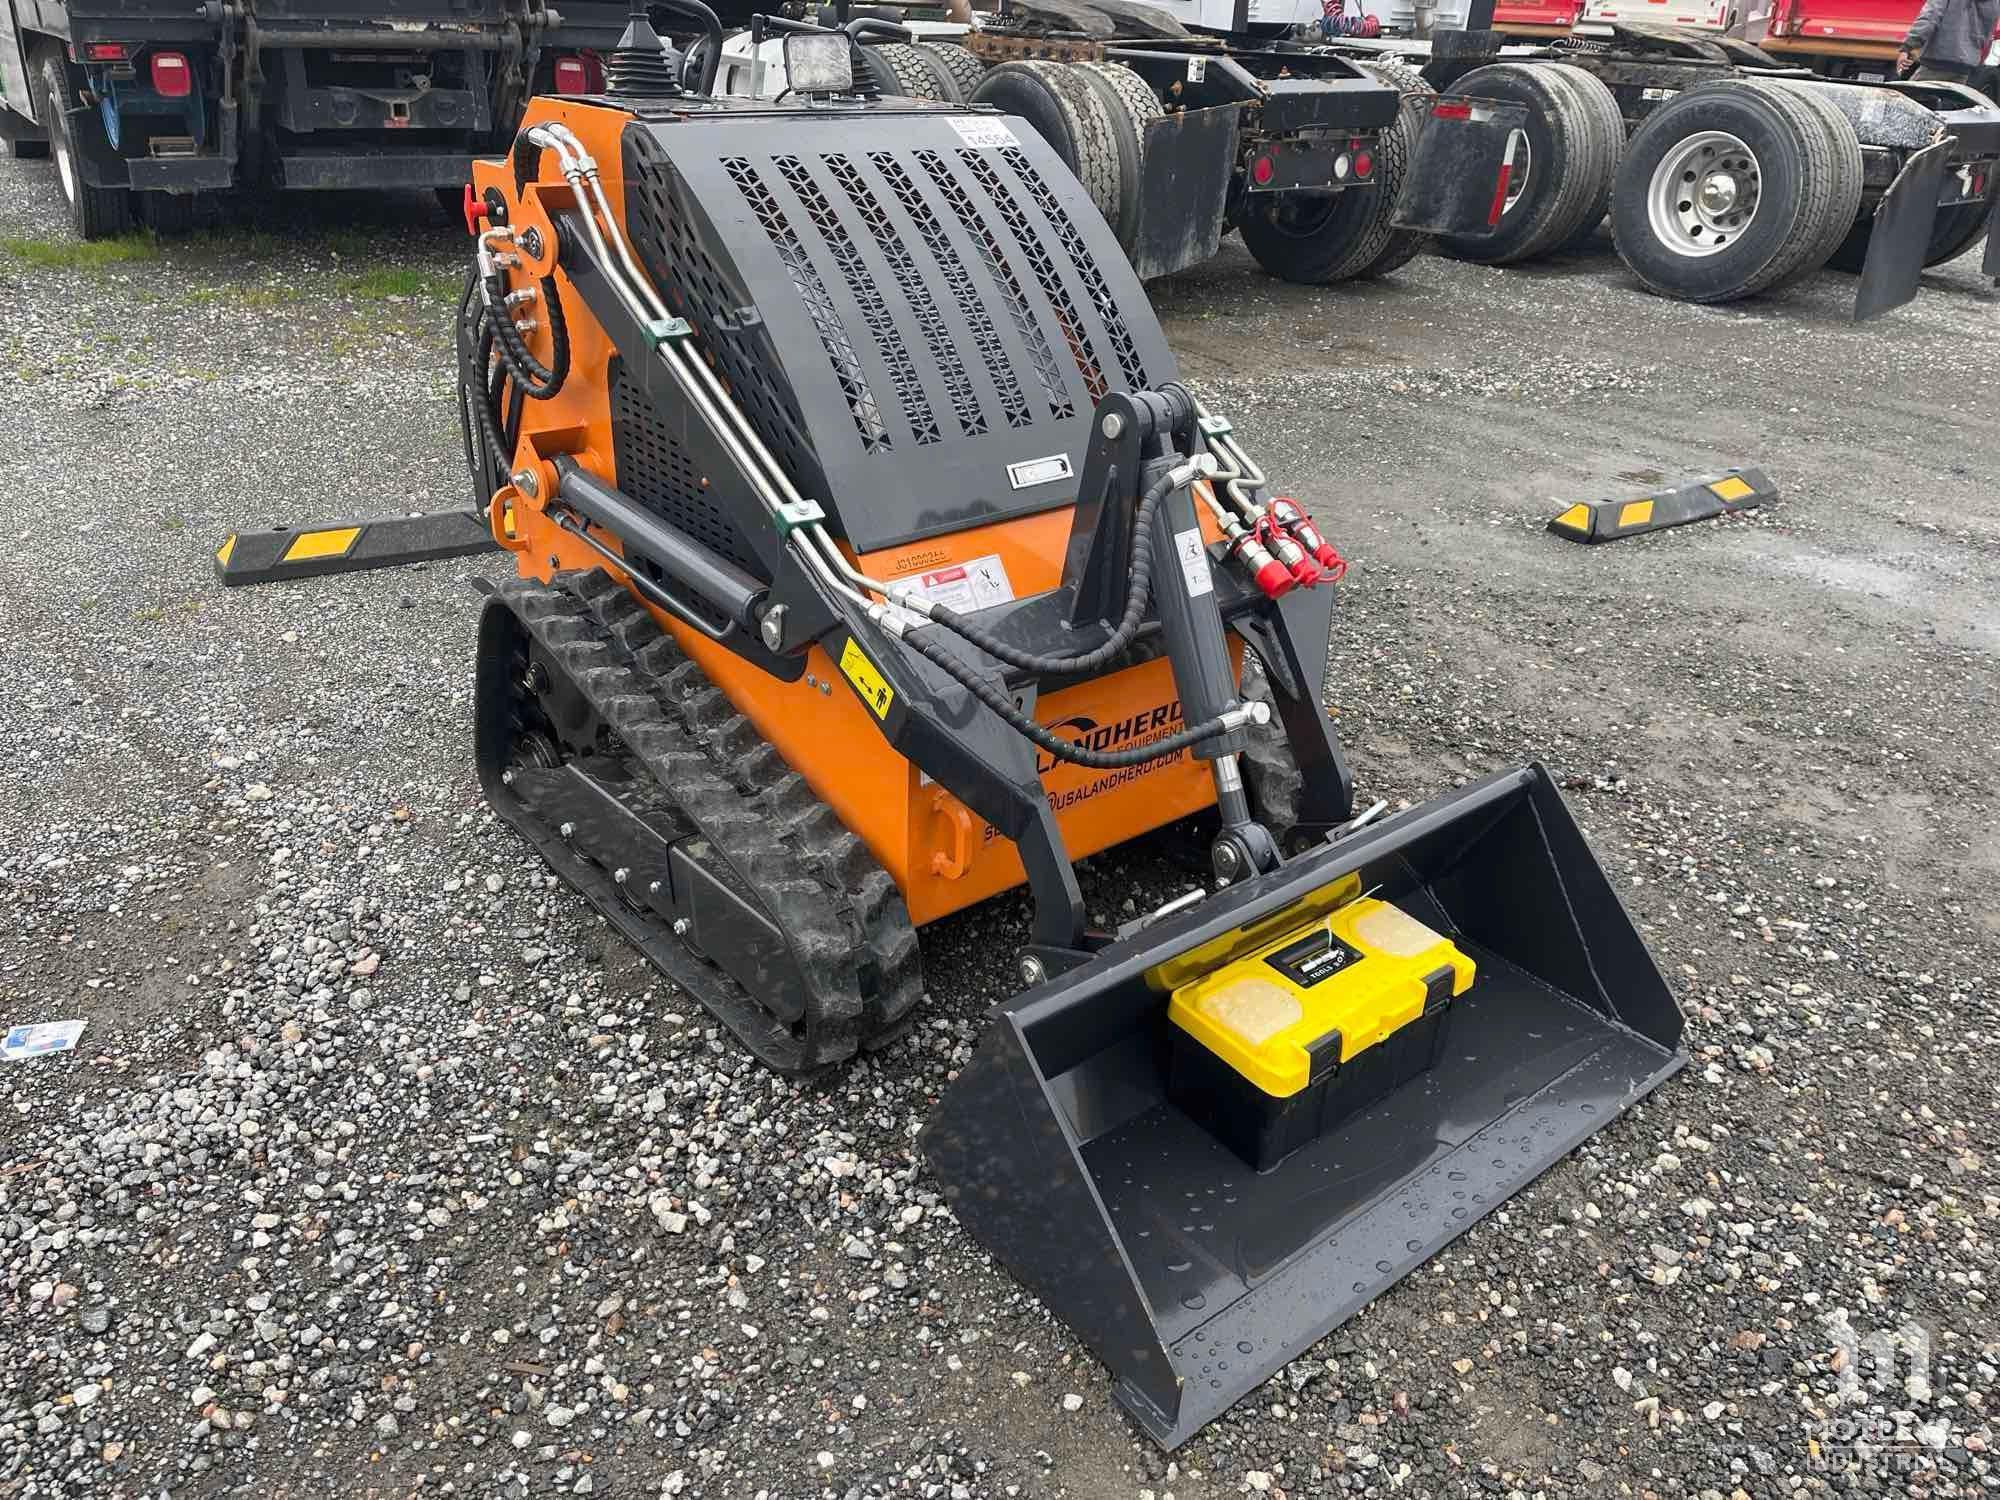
(655,469)
(914,306)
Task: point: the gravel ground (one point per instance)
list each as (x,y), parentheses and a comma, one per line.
(381,1169)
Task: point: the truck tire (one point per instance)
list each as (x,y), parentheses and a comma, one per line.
(1958,229)
(97,213)
(1845,200)
(965,66)
(1131,107)
(1071,116)
(1316,239)
(165,213)
(905,70)
(1548,195)
(1607,127)
(1392,157)
(1677,212)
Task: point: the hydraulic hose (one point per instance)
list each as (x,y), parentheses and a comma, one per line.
(534,378)
(997,699)
(1136,600)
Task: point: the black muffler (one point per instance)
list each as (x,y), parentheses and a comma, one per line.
(1195,1276)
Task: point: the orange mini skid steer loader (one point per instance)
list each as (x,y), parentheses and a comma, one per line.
(872,562)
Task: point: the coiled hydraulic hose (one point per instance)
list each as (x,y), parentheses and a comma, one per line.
(1136,600)
(531,376)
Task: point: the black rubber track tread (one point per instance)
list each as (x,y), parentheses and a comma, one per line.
(1553,215)
(1393,157)
(840,912)
(918,73)
(889,972)
(965,66)
(1844,200)
(1607,126)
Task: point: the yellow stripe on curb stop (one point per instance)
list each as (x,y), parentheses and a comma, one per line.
(1577,518)
(1731,488)
(225,551)
(310,545)
(1635,513)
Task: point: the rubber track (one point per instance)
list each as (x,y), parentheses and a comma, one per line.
(1399,144)
(841,914)
(965,66)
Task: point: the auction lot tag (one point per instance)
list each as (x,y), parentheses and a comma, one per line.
(45,1036)
(975,130)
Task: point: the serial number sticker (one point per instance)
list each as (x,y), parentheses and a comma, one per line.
(1658,94)
(1194,562)
(1034,471)
(976,130)
(967,586)
(867,680)
(1197,69)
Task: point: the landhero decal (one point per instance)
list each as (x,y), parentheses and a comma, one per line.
(1143,728)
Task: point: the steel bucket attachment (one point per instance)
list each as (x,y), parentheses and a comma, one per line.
(1196,1277)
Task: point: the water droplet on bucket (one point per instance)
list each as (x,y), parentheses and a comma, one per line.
(1194,1302)
(1244,1346)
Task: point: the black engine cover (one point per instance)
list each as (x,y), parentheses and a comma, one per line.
(917,308)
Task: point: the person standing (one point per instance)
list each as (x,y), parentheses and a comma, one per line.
(1950,40)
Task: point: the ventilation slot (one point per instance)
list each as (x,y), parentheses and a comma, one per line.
(995,260)
(909,278)
(818,302)
(1030,242)
(688,278)
(655,470)
(1086,268)
(874,310)
(965,296)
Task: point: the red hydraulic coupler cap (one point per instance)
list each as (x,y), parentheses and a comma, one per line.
(473,209)
(1306,572)
(1273,579)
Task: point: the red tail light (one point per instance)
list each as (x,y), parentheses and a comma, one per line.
(1451,109)
(1262,170)
(572,75)
(105,52)
(172,77)
(1364,164)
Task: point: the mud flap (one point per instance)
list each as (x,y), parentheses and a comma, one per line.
(1183,189)
(1991,265)
(1901,237)
(1195,1277)
(1464,162)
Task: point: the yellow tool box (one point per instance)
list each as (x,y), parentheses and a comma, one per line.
(1277,1047)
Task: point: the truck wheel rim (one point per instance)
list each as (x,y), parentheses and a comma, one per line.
(1704,193)
(1517,180)
(65,168)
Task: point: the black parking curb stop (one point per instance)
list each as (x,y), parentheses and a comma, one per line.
(348,546)
(1608,520)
